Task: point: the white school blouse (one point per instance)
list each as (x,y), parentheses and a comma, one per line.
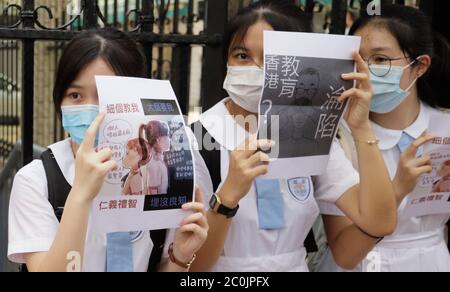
(418,244)
(33,224)
(248,248)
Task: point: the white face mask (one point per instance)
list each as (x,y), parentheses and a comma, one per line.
(245,85)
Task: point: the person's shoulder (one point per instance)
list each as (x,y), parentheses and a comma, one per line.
(437,112)
(30,184)
(33,171)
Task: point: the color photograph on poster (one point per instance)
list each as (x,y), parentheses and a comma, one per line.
(146,131)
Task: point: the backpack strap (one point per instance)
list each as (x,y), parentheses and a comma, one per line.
(310,243)
(211,158)
(212,161)
(58,187)
(158,238)
(58,191)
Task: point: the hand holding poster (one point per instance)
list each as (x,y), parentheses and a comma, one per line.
(432,193)
(299,108)
(146,131)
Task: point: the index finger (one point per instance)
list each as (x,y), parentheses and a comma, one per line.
(194,207)
(422,140)
(362,67)
(198,195)
(91,133)
(249,143)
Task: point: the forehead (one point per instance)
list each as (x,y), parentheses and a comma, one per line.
(252,37)
(98,67)
(376,38)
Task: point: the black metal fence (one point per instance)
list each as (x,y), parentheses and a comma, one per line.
(32,35)
(33,32)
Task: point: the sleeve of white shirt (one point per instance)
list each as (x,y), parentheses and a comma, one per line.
(32,221)
(340,177)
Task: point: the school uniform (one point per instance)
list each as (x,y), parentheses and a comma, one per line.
(33,224)
(253,245)
(156,175)
(418,244)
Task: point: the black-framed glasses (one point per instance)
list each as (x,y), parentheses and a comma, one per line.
(380,65)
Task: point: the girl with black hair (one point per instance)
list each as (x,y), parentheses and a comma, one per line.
(410,73)
(270,222)
(36,238)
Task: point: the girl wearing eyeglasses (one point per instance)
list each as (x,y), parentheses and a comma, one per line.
(410,71)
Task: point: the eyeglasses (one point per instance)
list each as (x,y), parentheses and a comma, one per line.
(384,62)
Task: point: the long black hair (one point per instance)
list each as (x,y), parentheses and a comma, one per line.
(111,45)
(282,15)
(414,33)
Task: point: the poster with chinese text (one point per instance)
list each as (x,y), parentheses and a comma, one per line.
(432,193)
(146,131)
(299,108)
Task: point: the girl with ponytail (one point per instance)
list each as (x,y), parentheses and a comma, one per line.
(155,134)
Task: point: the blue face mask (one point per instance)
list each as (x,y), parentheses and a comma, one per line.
(387,93)
(77,119)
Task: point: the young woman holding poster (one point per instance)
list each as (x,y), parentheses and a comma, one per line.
(73,167)
(410,73)
(256,224)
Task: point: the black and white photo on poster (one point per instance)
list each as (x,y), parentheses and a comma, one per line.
(303,93)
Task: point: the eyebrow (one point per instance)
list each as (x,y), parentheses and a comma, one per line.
(381,49)
(75,86)
(239,48)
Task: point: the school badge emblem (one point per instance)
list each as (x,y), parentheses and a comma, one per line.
(300,188)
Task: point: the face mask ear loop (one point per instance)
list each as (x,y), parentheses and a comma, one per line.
(417,78)
(412,84)
(260,67)
(256,64)
(413,62)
